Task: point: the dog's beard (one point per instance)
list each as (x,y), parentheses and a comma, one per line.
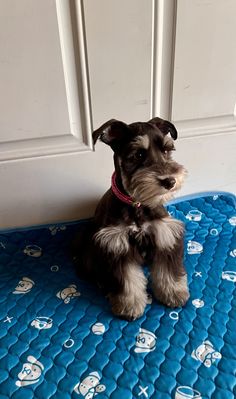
(145,186)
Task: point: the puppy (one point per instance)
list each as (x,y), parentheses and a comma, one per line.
(131,226)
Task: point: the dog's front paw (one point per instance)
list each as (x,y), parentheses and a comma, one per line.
(126,313)
(128,310)
(173,294)
(176,299)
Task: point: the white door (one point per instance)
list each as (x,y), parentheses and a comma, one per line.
(68,66)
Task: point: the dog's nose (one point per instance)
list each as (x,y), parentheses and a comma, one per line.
(168,183)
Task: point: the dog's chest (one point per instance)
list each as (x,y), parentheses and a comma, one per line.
(162,233)
(141,235)
(117,239)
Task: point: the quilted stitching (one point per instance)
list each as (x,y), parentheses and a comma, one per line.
(58,338)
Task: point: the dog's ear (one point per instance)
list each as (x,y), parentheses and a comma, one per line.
(165,127)
(111,132)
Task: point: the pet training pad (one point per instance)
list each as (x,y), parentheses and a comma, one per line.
(58,338)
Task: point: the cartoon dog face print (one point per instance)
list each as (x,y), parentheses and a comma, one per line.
(30,373)
(33,250)
(68,293)
(90,386)
(194,247)
(42,323)
(24,286)
(206,354)
(145,341)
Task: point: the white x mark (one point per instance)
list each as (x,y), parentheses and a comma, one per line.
(143,391)
(9,319)
(198,274)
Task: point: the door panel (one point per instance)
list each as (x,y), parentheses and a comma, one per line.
(66,66)
(31,72)
(118,37)
(198,87)
(205,60)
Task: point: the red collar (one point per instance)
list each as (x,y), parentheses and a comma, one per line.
(122,197)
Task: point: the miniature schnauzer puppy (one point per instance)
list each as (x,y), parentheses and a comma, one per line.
(131,227)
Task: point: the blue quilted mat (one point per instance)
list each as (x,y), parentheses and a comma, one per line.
(58,338)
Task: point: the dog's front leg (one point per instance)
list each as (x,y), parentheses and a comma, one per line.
(131,300)
(169,282)
(124,278)
(169,278)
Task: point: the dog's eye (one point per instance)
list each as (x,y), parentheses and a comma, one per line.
(141,154)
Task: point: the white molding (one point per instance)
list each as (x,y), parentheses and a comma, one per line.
(164,16)
(206,126)
(40,147)
(73,47)
(163,47)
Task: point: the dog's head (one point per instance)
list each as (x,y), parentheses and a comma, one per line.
(143,161)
